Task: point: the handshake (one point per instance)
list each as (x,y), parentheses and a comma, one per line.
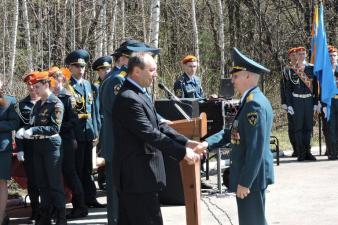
(194,151)
(22,133)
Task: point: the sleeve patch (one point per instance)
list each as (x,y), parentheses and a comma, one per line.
(252,118)
(117,88)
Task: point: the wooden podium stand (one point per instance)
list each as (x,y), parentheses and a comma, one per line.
(191,180)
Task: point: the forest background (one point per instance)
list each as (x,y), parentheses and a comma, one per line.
(37,34)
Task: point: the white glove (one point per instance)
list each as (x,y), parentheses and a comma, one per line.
(28,133)
(290,110)
(316,108)
(285,107)
(20,156)
(19,133)
(325,112)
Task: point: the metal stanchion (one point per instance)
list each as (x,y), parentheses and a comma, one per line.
(219,171)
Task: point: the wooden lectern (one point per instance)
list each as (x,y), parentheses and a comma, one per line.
(191,180)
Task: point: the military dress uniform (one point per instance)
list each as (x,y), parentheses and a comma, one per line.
(251,159)
(109,89)
(69,154)
(45,124)
(24,109)
(185,87)
(283,89)
(9,122)
(302,95)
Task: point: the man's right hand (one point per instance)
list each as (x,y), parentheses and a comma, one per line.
(190,156)
(20,156)
(290,110)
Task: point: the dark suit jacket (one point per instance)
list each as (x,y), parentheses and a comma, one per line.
(140,141)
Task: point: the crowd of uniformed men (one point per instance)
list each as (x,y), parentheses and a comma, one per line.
(300,98)
(64,116)
(60,121)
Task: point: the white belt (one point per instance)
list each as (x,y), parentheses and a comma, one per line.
(44,136)
(301,95)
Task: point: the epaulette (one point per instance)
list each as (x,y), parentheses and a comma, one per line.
(250,97)
(122,74)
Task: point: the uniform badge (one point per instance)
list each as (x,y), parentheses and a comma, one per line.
(90,98)
(58,116)
(179,92)
(73,102)
(252,118)
(117,88)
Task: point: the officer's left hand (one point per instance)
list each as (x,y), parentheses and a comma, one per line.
(242,192)
(28,134)
(168,122)
(201,148)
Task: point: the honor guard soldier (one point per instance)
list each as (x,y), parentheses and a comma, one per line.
(108,92)
(292,56)
(251,168)
(302,100)
(44,128)
(333,121)
(188,85)
(102,66)
(24,147)
(9,122)
(64,91)
(86,132)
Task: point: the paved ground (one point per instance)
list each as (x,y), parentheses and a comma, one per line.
(304,193)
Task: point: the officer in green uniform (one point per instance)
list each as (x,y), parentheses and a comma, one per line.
(86,132)
(251,169)
(24,147)
(333,121)
(287,70)
(302,99)
(188,85)
(9,122)
(108,92)
(63,91)
(45,124)
(102,66)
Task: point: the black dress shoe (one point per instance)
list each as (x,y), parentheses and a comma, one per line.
(294,154)
(310,157)
(77,213)
(95,204)
(205,186)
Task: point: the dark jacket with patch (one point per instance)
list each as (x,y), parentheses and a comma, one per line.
(251,158)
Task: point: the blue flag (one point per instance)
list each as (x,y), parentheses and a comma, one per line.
(322,64)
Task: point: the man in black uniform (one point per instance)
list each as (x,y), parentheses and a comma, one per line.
(86,132)
(302,99)
(61,90)
(292,55)
(24,148)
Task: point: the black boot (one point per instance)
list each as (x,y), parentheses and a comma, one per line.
(35,212)
(301,154)
(61,216)
(79,208)
(308,155)
(45,217)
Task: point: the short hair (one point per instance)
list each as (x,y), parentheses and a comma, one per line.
(138,59)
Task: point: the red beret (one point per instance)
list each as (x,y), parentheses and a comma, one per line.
(189,58)
(39,76)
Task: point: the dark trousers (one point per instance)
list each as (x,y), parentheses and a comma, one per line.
(251,210)
(291,132)
(333,129)
(303,123)
(47,161)
(84,168)
(70,175)
(32,186)
(326,131)
(112,197)
(139,209)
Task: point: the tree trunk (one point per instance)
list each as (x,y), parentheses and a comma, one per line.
(28,35)
(112,27)
(154,23)
(123,17)
(143,22)
(13,38)
(221,36)
(195,30)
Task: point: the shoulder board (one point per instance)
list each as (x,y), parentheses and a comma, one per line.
(122,74)
(250,97)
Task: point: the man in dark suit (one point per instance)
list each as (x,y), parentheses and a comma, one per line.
(251,169)
(138,165)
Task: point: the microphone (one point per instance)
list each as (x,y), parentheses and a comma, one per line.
(171,95)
